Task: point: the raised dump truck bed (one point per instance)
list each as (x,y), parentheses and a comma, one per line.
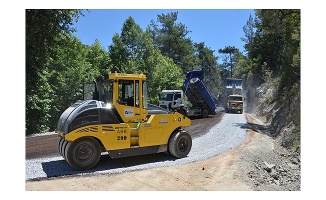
(203,103)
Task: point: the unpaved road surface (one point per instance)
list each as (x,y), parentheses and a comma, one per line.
(258,163)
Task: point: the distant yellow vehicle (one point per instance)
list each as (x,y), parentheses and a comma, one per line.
(118,119)
(234,95)
(235,103)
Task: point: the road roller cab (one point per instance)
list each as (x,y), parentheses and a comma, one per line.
(115,117)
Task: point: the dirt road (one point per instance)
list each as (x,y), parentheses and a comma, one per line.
(240,169)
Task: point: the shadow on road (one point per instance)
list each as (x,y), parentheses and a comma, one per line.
(241,125)
(267,130)
(62,168)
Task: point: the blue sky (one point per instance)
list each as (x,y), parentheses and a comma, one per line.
(217,28)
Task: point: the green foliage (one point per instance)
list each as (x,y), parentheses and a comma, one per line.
(70,69)
(118,54)
(171,38)
(133,52)
(165,75)
(38,104)
(249,31)
(129,48)
(206,59)
(98,57)
(273,61)
(241,65)
(208,63)
(273,44)
(42,29)
(229,61)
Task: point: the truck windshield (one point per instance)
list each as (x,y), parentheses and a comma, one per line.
(166,96)
(234,98)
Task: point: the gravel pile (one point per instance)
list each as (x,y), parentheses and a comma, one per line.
(229,133)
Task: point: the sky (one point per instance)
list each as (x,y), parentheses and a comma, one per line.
(217,28)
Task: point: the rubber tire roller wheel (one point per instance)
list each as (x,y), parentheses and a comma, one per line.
(62,144)
(83,153)
(59,146)
(180,144)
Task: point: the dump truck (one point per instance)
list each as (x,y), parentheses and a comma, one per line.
(202,103)
(234,101)
(115,117)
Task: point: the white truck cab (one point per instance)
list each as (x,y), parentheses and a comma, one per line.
(171,99)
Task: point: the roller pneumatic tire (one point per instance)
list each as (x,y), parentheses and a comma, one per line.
(83,153)
(62,147)
(180,144)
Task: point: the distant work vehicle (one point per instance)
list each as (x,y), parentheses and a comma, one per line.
(202,102)
(234,102)
(118,119)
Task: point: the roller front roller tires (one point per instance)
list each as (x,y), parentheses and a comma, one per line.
(81,154)
(180,144)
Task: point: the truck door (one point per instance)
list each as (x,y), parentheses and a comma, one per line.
(177,99)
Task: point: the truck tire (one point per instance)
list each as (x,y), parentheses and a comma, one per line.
(180,144)
(204,113)
(83,153)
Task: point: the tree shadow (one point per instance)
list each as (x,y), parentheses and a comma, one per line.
(263,129)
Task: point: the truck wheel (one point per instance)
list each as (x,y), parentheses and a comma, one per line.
(180,144)
(84,153)
(204,113)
